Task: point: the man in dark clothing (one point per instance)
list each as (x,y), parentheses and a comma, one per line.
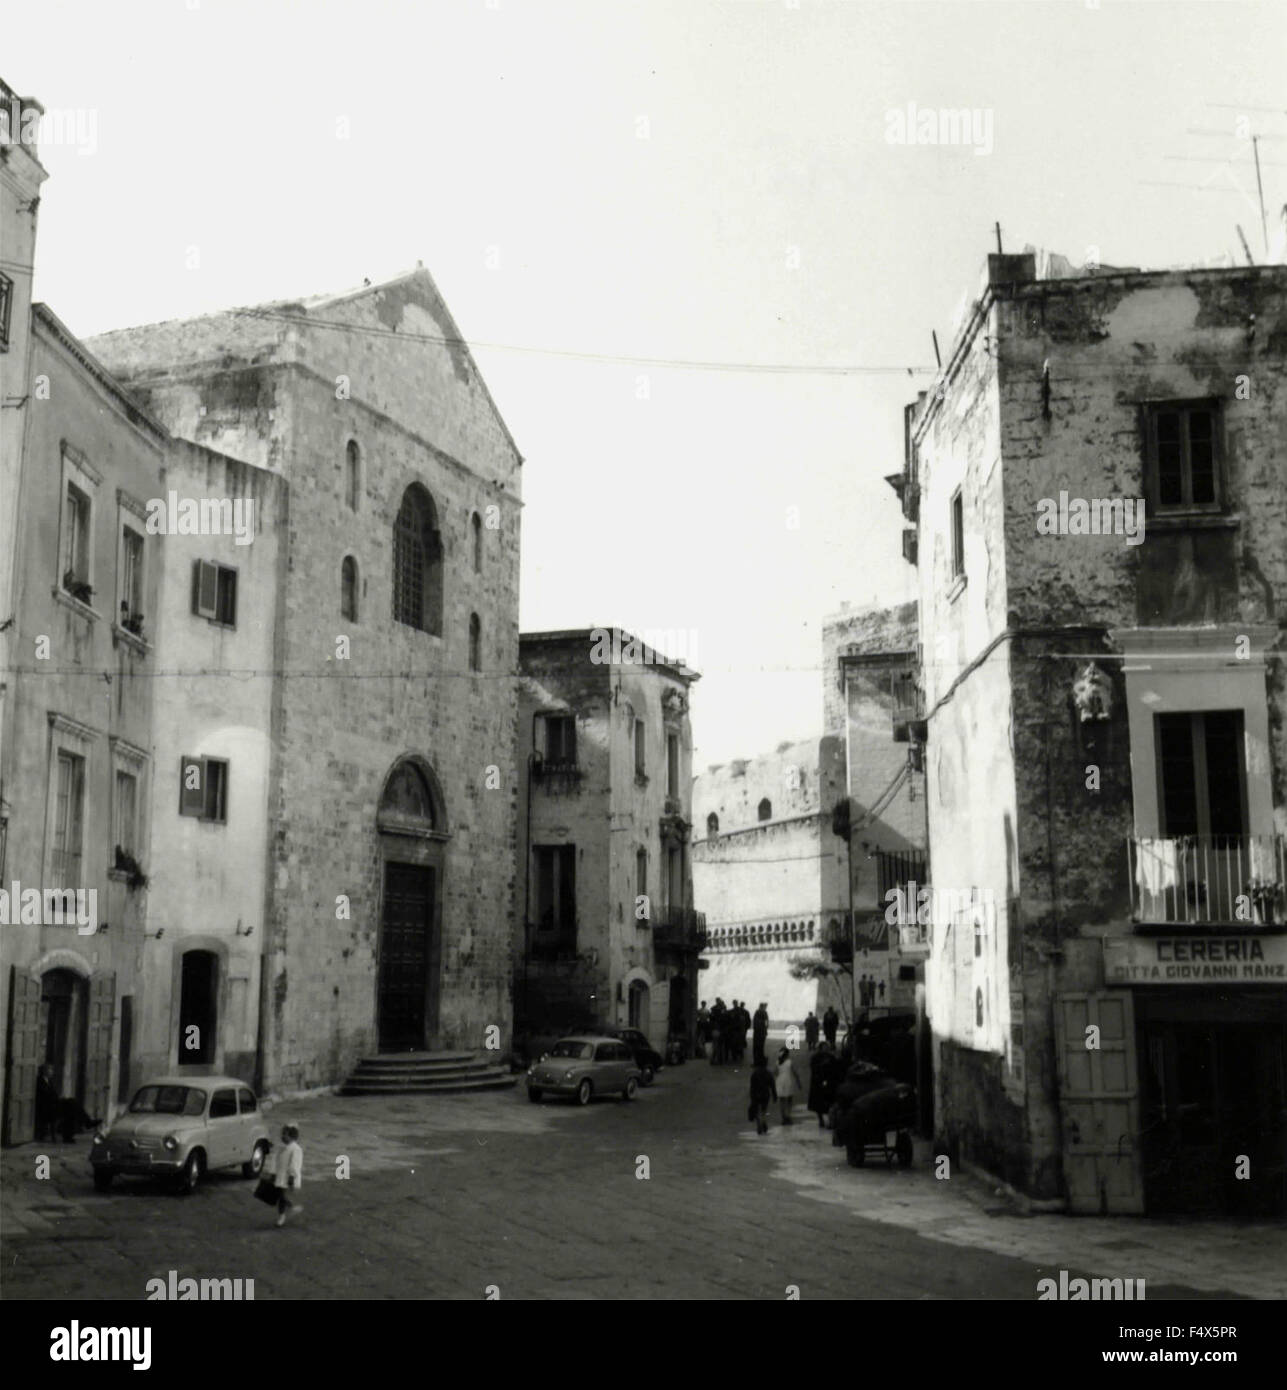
(763,1090)
(718,1012)
(824,1075)
(741,1023)
(46,1104)
(830,1022)
(811,1031)
(760,1036)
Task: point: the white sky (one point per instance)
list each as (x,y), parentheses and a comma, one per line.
(499,141)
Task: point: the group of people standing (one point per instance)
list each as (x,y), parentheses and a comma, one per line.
(724,1027)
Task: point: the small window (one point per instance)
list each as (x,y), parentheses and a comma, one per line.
(127,812)
(214,592)
(712,824)
(249,1105)
(75,565)
(641,872)
(978,1008)
(560,740)
(352,475)
(348,589)
(641,750)
(765,811)
(1182,467)
(475,642)
(958,534)
(223,1104)
(69,814)
(556,888)
(6,303)
(672,765)
(204,788)
(476,523)
(131,578)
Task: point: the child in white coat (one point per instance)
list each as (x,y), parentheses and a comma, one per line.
(290,1171)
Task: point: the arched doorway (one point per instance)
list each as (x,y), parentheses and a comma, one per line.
(639,997)
(63,1017)
(413,829)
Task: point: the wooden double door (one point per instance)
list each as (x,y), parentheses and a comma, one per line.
(407,1003)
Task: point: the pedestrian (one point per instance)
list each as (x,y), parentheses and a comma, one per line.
(717,1031)
(760,1035)
(46,1104)
(290,1172)
(703,1025)
(823,1077)
(786,1085)
(739,1032)
(830,1022)
(882,991)
(763,1090)
(811,1027)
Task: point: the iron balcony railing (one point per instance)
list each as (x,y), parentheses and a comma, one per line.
(679,928)
(1229,880)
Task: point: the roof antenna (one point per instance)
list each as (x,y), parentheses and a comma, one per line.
(1251,260)
(998,227)
(937,358)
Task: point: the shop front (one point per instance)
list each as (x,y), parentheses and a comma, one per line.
(1210,1023)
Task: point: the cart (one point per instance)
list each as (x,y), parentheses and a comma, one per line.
(879,1123)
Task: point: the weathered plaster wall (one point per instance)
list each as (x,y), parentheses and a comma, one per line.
(209,880)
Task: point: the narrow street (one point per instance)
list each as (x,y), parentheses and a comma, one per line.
(451,1195)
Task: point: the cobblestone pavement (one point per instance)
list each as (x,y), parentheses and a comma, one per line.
(449,1195)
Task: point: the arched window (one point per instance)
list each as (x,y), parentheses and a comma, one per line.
(476,523)
(766,809)
(348,589)
(417,563)
(352,475)
(407,794)
(475,643)
(712,824)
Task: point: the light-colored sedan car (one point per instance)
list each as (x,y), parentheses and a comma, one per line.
(585,1067)
(179,1128)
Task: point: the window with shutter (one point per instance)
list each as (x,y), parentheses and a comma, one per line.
(205,588)
(192,787)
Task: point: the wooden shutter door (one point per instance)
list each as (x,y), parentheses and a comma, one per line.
(23,1055)
(1099,1101)
(98,1044)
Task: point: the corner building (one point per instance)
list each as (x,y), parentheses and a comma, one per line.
(1105,734)
(390,878)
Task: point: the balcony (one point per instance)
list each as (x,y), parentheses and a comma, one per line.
(1209,880)
(556,776)
(678,929)
(909,708)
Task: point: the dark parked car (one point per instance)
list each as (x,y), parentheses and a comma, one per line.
(647,1058)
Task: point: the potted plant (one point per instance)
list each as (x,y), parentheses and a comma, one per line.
(77,588)
(127,863)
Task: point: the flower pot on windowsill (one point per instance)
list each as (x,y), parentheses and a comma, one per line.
(133,623)
(78,588)
(127,864)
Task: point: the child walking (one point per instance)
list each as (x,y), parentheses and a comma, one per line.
(763,1091)
(290,1171)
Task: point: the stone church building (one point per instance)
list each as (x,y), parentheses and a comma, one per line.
(387,781)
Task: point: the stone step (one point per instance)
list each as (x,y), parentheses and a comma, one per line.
(424,1073)
(356,1087)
